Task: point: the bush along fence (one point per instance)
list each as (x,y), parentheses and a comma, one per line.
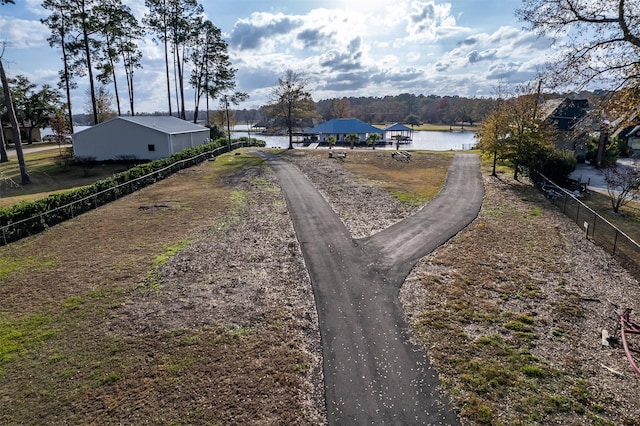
(595,227)
(29,218)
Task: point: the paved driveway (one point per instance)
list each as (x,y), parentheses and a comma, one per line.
(373,373)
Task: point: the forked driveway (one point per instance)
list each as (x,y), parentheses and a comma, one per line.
(374,374)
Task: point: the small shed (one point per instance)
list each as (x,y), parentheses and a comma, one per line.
(140,137)
(341,127)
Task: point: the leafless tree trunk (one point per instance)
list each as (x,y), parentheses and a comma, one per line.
(14,125)
(3,146)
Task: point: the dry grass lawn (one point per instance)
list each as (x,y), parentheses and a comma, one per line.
(188,303)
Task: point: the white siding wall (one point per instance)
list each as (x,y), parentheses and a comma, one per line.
(109,140)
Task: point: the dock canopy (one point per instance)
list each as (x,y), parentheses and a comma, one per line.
(341,127)
(399,132)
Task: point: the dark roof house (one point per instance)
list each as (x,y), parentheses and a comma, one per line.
(567,115)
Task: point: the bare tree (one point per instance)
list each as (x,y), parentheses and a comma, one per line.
(600,39)
(622,185)
(291,101)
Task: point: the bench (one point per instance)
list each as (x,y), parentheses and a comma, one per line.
(401,155)
(339,155)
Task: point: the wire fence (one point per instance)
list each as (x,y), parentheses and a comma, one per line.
(594,226)
(23,228)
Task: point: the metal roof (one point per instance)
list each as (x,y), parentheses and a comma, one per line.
(398,127)
(166,123)
(162,123)
(344,125)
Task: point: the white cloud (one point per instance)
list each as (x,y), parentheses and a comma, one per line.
(22,34)
(345,48)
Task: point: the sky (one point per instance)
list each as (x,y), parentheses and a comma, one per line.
(343,48)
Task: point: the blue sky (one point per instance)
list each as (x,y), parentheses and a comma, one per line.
(344,48)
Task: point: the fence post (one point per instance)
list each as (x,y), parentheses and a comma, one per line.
(615,242)
(578,214)
(4,234)
(595,217)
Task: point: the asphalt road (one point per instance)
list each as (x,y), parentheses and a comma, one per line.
(373,373)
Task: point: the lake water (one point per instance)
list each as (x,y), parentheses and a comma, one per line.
(422,140)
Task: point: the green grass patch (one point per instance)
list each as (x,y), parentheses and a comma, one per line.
(10,265)
(20,335)
(411,199)
(238,159)
(232,335)
(170,251)
(48,175)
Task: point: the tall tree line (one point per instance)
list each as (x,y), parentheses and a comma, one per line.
(99,41)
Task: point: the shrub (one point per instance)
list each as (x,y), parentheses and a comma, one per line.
(558,165)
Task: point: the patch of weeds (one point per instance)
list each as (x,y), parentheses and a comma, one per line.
(239,197)
(529,290)
(479,412)
(72,303)
(580,391)
(56,358)
(178,366)
(489,376)
(492,212)
(170,251)
(302,368)
(557,332)
(67,373)
(569,307)
(599,421)
(518,326)
(190,341)
(232,335)
(408,198)
(536,212)
(552,404)
(533,371)
(152,278)
(107,379)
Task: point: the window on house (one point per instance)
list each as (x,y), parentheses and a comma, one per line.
(151,147)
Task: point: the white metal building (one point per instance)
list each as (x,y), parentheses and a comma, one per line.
(142,137)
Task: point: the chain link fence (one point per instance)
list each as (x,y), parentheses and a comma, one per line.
(23,228)
(594,226)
